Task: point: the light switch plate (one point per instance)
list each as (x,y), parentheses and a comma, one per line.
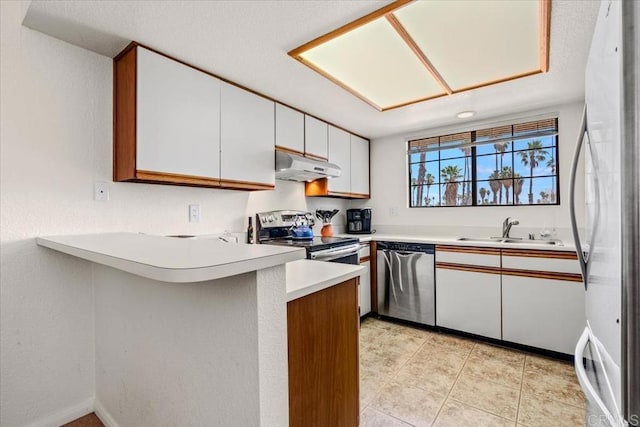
(194,213)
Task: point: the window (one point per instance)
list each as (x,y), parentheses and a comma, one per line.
(500,166)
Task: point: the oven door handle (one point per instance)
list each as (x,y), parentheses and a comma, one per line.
(331,254)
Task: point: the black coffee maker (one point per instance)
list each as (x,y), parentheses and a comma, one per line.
(359,221)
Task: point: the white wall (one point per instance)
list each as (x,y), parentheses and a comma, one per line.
(389,180)
(56,141)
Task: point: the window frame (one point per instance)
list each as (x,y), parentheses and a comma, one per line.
(474,177)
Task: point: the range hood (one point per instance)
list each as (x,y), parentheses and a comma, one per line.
(293,167)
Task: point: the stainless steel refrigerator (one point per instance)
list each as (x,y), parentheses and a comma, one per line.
(608,352)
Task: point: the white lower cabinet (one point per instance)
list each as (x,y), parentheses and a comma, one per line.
(544,313)
(365,289)
(469,301)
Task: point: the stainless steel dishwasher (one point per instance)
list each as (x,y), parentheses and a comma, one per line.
(406,284)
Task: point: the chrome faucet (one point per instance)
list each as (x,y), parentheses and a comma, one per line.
(506,226)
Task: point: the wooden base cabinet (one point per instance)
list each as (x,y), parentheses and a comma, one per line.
(324,357)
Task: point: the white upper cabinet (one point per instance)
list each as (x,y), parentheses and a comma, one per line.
(177,118)
(359,165)
(340,154)
(315,137)
(247,137)
(289,128)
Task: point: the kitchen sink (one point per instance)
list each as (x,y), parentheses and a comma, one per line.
(511,241)
(478,239)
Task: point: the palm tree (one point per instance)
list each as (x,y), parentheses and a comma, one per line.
(532,157)
(422,170)
(429,182)
(467,172)
(551,164)
(518,181)
(483,193)
(450,175)
(500,148)
(414,189)
(496,186)
(506,179)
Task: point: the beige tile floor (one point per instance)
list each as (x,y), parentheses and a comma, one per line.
(412,377)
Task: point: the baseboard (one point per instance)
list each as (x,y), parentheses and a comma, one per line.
(65,415)
(103,414)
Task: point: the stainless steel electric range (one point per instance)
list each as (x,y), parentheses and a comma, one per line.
(293,228)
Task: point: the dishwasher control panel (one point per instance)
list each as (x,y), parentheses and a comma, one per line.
(407,247)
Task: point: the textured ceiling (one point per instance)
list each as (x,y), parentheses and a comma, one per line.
(248,41)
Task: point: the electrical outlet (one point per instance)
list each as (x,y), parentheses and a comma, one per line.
(393,211)
(101,191)
(194,213)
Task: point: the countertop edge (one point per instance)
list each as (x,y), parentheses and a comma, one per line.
(441,240)
(354,271)
(175,275)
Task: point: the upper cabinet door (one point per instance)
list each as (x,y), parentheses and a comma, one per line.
(315,138)
(359,165)
(177,118)
(340,154)
(247,138)
(289,129)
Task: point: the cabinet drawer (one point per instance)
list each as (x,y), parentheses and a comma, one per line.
(552,261)
(485,257)
(365,251)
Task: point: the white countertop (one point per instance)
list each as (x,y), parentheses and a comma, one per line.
(305,277)
(171,259)
(445,240)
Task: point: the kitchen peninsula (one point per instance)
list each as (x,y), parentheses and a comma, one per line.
(193,331)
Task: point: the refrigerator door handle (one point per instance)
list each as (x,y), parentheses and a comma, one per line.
(581,373)
(583,379)
(572,202)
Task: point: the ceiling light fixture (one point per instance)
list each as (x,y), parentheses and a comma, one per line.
(408,60)
(465,114)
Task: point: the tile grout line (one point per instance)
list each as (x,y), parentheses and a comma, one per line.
(454,383)
(524,366)
(488,381)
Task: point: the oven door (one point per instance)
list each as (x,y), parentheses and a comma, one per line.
(343,254)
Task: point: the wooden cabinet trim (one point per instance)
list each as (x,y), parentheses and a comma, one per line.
(174,178)
(314,157)
(124,115)
(470,268)
(567,277)
(468,249)
(374,275)
(365,259)
(289,150)
(245,185)
(538,253)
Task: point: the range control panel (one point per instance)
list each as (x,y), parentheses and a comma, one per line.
(285,219)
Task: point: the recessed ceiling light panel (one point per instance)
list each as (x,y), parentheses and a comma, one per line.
(374,62)
(409,51)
